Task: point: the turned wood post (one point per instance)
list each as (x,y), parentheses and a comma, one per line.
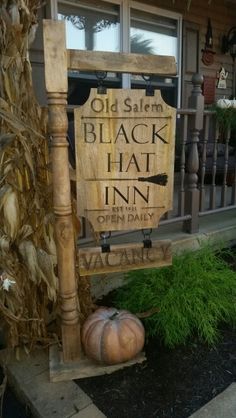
(57,86)
(192,194)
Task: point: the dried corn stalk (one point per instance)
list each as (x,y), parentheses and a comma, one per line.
(28,283)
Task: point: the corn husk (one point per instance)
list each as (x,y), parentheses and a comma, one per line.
(48,234)
(4,244)
(27,247)
(11,212)
(29,255)
(46,265)
(25,193)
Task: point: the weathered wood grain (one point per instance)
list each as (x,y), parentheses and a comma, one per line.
(55,56)
(121,62)
(56,84)
(124,257)
(124,159)
(60,371)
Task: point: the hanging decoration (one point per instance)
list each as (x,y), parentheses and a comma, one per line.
(222,76)
(189,3)
(207,52)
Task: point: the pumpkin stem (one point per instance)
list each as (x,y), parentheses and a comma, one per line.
(114,315)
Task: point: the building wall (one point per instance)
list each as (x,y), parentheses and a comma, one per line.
(222,15)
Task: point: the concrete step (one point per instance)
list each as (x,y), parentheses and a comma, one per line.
(222,406)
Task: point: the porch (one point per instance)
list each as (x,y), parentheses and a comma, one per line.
(202,209)
(216,227)
(204,197)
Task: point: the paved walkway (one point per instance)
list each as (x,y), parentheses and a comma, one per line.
(222,406)
(29,377)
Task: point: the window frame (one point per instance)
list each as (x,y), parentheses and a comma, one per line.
(125,7)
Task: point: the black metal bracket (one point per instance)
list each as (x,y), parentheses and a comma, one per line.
(105,246)
(101,75)
(149,87)
(147,242)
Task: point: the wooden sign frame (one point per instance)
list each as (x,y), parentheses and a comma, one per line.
(57,63)
(125,143)
(123,257)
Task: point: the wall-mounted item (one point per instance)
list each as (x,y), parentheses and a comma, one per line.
(209,37)
(229,42)
(222,76)
(207,52)
(229,45)
(208,89)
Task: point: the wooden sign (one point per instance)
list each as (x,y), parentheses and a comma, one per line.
(124,159)
(124,257)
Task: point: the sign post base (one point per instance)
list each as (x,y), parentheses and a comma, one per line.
(60,371)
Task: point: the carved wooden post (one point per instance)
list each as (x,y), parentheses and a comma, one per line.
(192,195)
(56,85)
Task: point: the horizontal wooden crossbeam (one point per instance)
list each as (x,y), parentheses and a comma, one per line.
(120,62)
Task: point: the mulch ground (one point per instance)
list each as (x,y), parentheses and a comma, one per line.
(171,383)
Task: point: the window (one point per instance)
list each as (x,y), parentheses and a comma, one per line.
(93,26)
(121,25)
(153,34)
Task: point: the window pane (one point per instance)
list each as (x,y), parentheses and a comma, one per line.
(151,34)
(94,27)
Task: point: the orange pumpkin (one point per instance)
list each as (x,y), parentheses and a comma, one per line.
(110,336)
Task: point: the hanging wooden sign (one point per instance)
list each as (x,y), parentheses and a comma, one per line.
(124,159)
(124,257)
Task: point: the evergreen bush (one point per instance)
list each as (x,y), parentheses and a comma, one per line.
(194,295)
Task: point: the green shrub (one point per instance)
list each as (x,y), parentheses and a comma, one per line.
(194,296)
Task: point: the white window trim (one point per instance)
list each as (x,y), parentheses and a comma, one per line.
(125,7)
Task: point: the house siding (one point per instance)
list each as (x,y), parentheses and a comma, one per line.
(223,17)
(221,13)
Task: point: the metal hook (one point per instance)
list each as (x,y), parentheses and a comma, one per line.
(149,87)
(101,75)
(105,246)
(147,242)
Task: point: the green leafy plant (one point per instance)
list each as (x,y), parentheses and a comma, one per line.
(226,118)
(194,296)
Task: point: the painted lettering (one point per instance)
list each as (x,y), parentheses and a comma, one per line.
(155,134)
(124,259)
(124,162)
(134,257)
(140,133)
(87,261)
(133,160)
(127,107)
(89,134)
(133,133)
(98,105)
(98,262)
(140,217)
(141,106)
(121,132)
(102,219)
(128,194)
(110,162)
(148,154)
